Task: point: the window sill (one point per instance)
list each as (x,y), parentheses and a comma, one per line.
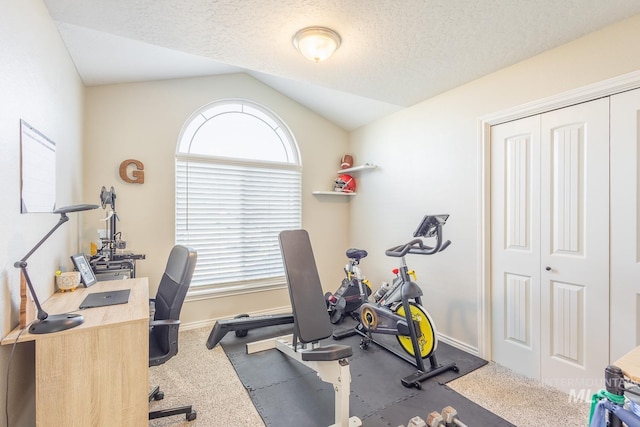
(204,292)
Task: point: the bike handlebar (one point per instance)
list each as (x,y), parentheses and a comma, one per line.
(417,246)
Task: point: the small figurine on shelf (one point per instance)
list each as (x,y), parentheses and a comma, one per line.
(346,161)
(345,183)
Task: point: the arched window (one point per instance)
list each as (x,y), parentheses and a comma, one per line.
(238,184)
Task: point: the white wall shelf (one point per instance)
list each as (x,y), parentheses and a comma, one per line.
(366,166)
(332,193)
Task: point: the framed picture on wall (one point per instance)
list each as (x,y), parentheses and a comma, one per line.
(81,263)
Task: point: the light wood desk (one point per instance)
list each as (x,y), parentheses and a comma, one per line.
(630,364)
(95,374)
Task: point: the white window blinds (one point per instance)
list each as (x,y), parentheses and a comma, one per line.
(232,214)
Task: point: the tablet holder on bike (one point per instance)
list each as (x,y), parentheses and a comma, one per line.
(429,225)
(376,318)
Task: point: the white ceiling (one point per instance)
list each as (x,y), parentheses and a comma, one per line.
(393,54)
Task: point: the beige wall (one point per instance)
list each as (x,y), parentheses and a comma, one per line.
(429,157)
(143,120)
(38,83)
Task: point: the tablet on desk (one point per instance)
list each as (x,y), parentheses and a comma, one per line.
(87,275)
(103,299)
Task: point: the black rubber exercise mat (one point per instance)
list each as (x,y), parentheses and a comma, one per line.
(288,394)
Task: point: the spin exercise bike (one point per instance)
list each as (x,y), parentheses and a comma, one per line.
(353,290)
(399,310)
(345,301)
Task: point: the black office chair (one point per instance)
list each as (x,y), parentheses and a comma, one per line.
(163,331)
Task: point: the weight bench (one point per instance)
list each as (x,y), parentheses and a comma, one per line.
(242,323)
(311,324)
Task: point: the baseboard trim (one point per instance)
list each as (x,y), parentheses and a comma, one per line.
(459,345)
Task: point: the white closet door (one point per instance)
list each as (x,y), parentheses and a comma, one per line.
(550,245)
(515,222)
(575,245)
(625,230)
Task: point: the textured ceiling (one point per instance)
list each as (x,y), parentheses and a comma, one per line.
(393,54)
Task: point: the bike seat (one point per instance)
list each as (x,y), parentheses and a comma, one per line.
(356,254)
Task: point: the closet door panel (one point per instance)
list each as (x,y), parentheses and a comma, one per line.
(574,244)
(515,194)
(625,223)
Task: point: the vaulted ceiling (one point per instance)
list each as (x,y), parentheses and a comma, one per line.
(394,53)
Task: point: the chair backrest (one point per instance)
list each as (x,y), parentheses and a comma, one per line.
(169,299)
(311,319)
(175,282)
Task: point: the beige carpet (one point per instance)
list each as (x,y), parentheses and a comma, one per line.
(520,400)
(206,379)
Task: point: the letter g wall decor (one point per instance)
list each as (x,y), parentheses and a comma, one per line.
(137,172)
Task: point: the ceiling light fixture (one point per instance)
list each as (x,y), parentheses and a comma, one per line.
(316,43)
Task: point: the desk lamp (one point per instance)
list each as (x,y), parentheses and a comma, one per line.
(46,323)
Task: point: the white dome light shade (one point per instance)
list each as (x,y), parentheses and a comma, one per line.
(316,43)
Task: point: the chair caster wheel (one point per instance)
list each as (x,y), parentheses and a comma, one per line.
(455,369)
(159,395)
(191,416)
(417,385)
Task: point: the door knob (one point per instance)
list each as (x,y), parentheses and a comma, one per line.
(547,268)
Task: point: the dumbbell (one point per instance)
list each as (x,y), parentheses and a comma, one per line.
(435,420)
(450,417)
(416,422)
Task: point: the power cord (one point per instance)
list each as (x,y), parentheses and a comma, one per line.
(6,396)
